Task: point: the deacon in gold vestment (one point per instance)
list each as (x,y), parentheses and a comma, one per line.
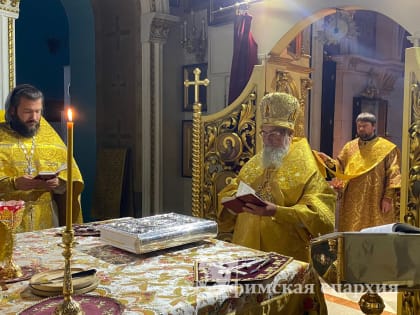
(28,145)
(368,172)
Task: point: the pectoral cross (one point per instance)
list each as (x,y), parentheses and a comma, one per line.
(197,82)
(30,169)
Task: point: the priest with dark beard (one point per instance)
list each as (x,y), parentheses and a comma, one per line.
(300,203)
(29,145)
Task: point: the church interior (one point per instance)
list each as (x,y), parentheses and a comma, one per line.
(142,143)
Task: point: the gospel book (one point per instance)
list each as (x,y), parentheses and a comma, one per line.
(245,194)
(392,228)
(46,175)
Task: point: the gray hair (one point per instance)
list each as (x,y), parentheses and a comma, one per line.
(366,117)
(20,91)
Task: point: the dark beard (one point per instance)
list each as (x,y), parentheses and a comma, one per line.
(20,127)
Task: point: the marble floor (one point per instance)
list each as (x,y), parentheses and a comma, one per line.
(347,303)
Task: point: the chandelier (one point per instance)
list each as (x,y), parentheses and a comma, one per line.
(194,34)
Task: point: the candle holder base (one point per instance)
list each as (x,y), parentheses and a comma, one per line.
(10,271)
(89,304)
(69,307)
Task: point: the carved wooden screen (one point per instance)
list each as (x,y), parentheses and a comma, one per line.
(222,143)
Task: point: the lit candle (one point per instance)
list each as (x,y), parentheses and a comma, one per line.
(69,204)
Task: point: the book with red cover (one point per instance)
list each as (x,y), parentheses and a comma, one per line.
(245,194)
(46,175)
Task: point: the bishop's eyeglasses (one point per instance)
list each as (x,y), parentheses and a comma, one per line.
(277,133)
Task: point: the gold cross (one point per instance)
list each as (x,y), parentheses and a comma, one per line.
(197,82)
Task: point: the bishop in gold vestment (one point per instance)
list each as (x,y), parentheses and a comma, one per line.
(299,202)
(305,204)
(47,152)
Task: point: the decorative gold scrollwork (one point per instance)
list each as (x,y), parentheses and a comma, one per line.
(229,142)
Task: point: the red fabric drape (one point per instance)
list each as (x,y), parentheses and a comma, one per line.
(244,56)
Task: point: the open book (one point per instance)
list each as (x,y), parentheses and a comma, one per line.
(244,194)
(46,175)
(392,228)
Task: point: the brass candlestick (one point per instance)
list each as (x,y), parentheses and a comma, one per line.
(68,306)
(11,214)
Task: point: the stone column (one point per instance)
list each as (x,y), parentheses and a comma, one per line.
(155,28)
(9,12)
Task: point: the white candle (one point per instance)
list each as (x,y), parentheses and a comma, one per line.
(69,203)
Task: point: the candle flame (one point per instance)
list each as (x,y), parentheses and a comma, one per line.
(70,114)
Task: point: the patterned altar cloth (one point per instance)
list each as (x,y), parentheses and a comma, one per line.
(155,283)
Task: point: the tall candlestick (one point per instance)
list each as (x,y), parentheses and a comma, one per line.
(69,204)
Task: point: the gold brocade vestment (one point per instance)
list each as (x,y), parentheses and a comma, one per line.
(49,154)
(375,168)
(305,204)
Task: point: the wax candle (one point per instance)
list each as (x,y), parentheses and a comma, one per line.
(69,203)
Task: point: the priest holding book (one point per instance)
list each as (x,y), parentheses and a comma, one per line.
(30,147)
(299,203)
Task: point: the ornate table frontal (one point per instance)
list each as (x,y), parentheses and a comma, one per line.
(161,282)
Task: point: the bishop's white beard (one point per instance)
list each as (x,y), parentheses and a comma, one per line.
(272,157)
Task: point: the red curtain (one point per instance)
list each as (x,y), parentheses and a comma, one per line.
(244,56)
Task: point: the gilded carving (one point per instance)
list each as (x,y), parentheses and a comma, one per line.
(197,209)
(228,143)
(410,302)
(11,50)
(10,6)
(284,82)
(414,155)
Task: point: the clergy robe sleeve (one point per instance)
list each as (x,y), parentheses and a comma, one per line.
(314,210)
(7,185)
(226,219)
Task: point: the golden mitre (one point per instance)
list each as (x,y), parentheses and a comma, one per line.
(280,110)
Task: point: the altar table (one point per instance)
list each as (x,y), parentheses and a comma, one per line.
(154,283)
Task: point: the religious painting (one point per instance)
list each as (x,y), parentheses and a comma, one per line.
(228,146)
(187,148)
(188,74)
(376,106)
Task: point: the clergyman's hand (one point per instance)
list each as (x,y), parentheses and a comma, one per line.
(268,210)
(324,156)
(27,182)
(386,204)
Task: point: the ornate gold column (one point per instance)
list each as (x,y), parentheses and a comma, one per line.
(9,12)
(155,28)
(409,300)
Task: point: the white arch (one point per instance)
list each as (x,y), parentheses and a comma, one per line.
(282,20)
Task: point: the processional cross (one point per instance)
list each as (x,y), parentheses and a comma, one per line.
(197,82)
(197,209)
